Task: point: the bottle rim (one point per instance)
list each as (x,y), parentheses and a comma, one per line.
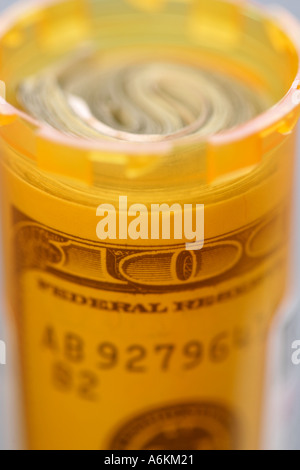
(289,104)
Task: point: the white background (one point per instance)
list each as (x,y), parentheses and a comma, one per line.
(8,436)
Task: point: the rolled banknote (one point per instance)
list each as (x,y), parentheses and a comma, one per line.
(147,167)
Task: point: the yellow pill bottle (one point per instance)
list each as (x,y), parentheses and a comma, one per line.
(146,344)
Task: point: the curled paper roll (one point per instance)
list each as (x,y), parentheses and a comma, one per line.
(147,167)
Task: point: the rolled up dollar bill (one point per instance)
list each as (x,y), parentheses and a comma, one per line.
(147,167)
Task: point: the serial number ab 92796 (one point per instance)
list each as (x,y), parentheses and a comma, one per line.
(79,366)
